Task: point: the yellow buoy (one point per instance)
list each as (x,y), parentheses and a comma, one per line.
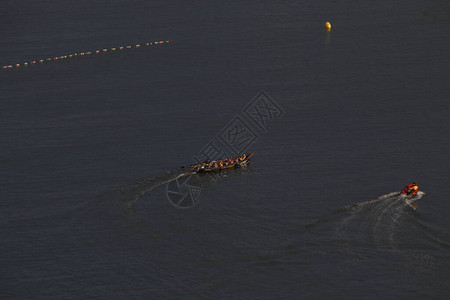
(327,26)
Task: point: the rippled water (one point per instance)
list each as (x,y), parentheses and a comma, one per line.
(92,146)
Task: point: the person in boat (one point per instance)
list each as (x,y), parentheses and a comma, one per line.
(412,188)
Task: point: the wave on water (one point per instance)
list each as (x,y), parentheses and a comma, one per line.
(384,224)
(128,195)
(383,219)
(380,223)
(176,182)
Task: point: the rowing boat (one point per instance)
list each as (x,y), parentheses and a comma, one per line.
(233,163)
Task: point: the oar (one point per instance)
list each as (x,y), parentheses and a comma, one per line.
(245,160)
(192,168)
(248,157)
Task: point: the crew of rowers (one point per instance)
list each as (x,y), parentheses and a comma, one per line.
(221,163)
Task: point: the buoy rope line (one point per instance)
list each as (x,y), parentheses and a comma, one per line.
(75,55)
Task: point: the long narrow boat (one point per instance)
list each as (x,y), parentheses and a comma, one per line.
(225,164)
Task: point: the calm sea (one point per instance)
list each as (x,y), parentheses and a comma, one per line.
(92,204)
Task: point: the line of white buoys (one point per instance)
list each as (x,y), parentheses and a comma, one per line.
(27,63)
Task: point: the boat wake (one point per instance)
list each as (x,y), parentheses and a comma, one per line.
(384,220)
(370,228)
(128,195)
(176,182)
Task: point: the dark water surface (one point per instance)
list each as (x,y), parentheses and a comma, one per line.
(88,145)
